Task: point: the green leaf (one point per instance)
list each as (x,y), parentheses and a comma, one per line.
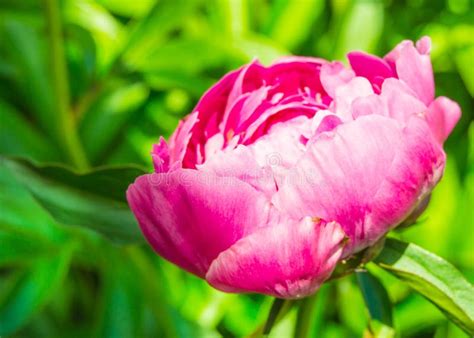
(32,290)
(26,52)
(361,27)
(150,32)
(375,297)
(106,31)
(95,199)
(19,137)
(285,13)
(379,330)
(103,122)
(434,278)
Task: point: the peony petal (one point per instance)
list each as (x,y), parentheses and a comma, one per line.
(333,75)
(281,148)
(413,66)
(241,164)
(288,260)
(189,217)
(369,105)
(347,93)
(367,176)
(371,67)
(161,156)
(401,101)
(442,115)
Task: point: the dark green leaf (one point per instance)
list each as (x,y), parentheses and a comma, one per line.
(95,199)
(375,297)
(32,290)
(19,137)
(434,278)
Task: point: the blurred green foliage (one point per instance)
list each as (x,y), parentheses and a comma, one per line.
(90,83)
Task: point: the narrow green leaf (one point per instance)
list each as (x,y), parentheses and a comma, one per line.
(434,278)
(306,317)
(103,122)
(19,137)
(285,13)
(32,291)
(278,310)
(379,330)
(95,199)
(376,298)
(361,27)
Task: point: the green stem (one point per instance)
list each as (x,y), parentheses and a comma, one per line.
(279,309)
(306,315)
(66,132)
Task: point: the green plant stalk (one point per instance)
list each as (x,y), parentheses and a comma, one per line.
(279,309)
(306,317)
(66,131)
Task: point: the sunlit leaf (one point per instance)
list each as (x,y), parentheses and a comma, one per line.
(103,122)
(285,13)
(433,277)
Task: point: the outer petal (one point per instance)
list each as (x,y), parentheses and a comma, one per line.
(401,101)
(288,260)
(442,116)
(413,66)
(368,176)
(190,217)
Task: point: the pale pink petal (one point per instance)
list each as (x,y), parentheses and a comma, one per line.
(281,147)
(401,101)
(287,260)
(241,164)
(413,66)
(333,75)
(369,105)
(189,217)
(424,45)
(442,116)
(367,176)
(347,93)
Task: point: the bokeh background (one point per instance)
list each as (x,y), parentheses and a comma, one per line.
(91,83)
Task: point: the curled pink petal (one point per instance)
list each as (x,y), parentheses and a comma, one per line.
(413,66)
(442,116)
(287,260)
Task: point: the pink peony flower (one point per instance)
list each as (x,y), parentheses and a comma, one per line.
(282,171)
